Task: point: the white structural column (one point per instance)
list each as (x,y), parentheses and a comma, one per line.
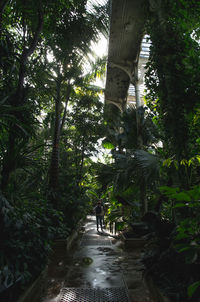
(126,33)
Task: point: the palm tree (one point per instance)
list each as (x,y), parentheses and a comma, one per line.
(133,166)
(79,31)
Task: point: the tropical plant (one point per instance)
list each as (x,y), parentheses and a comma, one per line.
(43,48)
(133,167)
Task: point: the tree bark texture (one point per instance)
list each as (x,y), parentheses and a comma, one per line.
(69,88)
(54,164)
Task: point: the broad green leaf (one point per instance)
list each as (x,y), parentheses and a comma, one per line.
(167,162)
(176,164)
(169,190)
(198,141)
(198,158)
(181,196)
(180,205)
(192,288)
(92,193)
(184,249)
(184,162)
(191,161)
(108,145)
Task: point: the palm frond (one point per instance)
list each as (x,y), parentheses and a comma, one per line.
(148,163)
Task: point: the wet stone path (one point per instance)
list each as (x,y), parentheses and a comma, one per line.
(97,269)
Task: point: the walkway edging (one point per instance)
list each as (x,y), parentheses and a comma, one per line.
(34,291)
(156,293)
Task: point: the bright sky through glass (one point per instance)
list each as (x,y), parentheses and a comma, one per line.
(101,48)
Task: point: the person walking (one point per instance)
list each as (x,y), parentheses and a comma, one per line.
(99,215)
(103,221)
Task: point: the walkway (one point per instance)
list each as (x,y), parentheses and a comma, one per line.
(98,269)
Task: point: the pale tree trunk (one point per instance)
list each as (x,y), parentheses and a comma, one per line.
(139,117)
(136,84)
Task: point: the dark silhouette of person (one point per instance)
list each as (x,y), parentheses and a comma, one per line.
(103,220)
(99,211)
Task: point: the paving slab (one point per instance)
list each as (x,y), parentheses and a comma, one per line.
(97,269)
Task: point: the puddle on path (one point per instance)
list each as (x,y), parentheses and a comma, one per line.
(96,267)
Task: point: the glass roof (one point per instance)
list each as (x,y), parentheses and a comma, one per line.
(144,54)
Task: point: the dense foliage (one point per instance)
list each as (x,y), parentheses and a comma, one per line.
(161,179)
(51,122)
(51,119)
(172,81)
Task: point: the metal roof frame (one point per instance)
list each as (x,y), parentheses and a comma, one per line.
(126,33)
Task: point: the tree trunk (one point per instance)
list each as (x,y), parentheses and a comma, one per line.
(138,107)
(139,118)
(82,161)
(69,88)
(54,163)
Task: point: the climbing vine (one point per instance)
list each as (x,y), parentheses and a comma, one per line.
(172,77)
